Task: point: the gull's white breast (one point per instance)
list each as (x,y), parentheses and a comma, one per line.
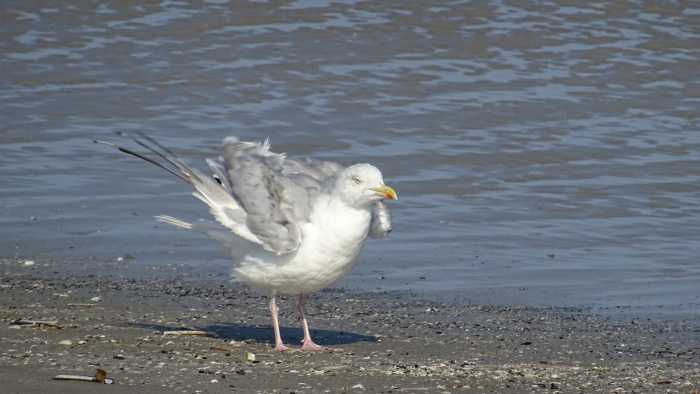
(332,239)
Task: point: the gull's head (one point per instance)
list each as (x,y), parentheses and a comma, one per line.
(361,184)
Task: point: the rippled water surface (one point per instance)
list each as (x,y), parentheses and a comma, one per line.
(543,153)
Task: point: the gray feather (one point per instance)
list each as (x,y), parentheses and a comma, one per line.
(217,196)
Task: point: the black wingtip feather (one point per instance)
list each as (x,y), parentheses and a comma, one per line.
(143,157)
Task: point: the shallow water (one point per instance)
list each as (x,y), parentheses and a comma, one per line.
(547,153)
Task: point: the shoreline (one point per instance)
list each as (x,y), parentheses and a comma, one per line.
(379,342)
(218,272)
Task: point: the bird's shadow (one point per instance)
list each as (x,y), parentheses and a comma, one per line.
(263,334)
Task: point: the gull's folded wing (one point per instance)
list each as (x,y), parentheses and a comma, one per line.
(276,193)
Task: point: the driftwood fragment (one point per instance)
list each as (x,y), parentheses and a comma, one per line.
(36,323)
(100,377)
(75,377)
(196,333)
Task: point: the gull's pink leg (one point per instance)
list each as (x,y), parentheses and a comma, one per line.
(308,343)
(279,346)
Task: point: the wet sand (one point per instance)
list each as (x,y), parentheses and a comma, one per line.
(377,342)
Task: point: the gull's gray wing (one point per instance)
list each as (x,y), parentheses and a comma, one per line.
(216,195)
(276,193)
(380,226)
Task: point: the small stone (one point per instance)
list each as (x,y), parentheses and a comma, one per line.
(358,386)
(82,342)
(28,263)
(66,342)
(214,381)
(95,299)
(250,357)
(119,356)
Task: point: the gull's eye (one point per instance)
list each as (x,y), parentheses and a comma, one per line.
(357,180)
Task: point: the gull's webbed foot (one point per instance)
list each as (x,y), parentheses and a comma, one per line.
(309,345)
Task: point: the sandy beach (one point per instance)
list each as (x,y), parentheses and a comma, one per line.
(377,342)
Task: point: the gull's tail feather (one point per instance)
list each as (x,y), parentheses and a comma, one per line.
(234,245)
(221,202)
(174,221)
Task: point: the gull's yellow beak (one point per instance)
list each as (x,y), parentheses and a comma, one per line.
(386,192)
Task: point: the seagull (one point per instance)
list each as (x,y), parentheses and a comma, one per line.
(292,227)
